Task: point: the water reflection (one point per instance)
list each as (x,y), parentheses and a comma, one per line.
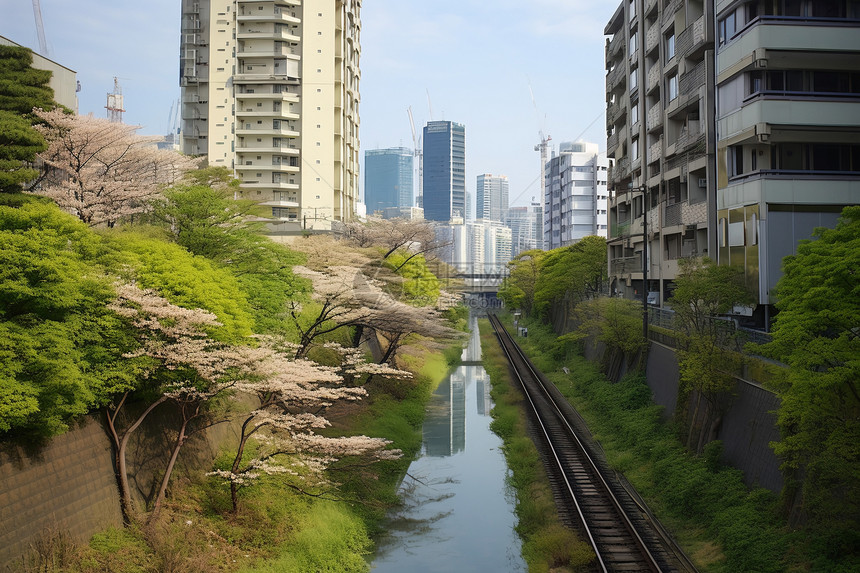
(457,512)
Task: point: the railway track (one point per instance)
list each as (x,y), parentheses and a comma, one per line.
(620,532)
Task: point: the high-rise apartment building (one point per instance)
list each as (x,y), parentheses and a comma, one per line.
(492,197)
(575,194)
(526,225)
(734,126)
(270,91)
(388,178)
(661,138)
(788,120)
(444,171)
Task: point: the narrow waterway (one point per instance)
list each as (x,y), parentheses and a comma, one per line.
(458,511)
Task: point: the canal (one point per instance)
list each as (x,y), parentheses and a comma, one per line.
(457,512)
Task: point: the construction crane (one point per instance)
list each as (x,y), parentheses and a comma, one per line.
(40,28)
(114,103)
(416,150)
(543,147)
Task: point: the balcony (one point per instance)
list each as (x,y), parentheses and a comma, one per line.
(655,117)
(268,185)
(611,143)
(613,112)
(295,3)
(626,265)
(261,52)
(263,147)
(264,77)
(652,38)
(260,34)
(616,77)
(669,12)
(654,75)
(614,46)
(650,5)
(655,150)
(259,16)
(697,38)
(280,203)
(268,96)
(691,81)
(267,131)
(260,113)
(622,169)
(268,166)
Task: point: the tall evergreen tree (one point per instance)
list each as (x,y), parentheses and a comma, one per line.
(22,88)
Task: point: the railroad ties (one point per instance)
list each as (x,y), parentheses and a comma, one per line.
(611,520)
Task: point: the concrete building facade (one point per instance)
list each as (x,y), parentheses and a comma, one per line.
(492,197)
(63,80)
(575,194)
(788,119)
(661,141)
(388,178)
(270,90)
(444,171)
(734,129)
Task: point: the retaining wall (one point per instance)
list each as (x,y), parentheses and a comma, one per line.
(68,486)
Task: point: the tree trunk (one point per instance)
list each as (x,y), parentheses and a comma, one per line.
(243,440)
(162,492)
(693,421)
(126,501)
(356,336)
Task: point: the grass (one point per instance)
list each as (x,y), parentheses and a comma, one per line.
(275,530)
(724,526)
(547,544)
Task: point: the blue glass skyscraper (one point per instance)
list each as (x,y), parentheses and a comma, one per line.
(388,178)
(444,170)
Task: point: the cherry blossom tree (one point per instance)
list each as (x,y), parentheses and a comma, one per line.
(186,366)
(102,171)
(333,305)
(293,396)
(416,236)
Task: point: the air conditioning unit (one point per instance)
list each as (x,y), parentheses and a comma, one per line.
(703,182)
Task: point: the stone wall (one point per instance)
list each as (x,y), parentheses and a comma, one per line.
(68,485)
(748,425)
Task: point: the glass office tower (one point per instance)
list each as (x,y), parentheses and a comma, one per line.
(388,178)
(444,170)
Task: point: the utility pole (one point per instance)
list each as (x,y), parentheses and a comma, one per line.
(644,190)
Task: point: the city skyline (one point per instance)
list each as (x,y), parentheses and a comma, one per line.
(413,55)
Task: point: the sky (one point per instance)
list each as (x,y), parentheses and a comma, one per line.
(508,70)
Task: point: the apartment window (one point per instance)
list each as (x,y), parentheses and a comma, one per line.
(728,27)
(634,150)
(634,113)
(736,160)
(673,87)
(633,43)
(670,46)
(633,80)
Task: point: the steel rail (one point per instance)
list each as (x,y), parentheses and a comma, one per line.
(520,361)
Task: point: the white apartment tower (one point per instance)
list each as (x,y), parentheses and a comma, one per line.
(575,195)
(270,90)
(492,197)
